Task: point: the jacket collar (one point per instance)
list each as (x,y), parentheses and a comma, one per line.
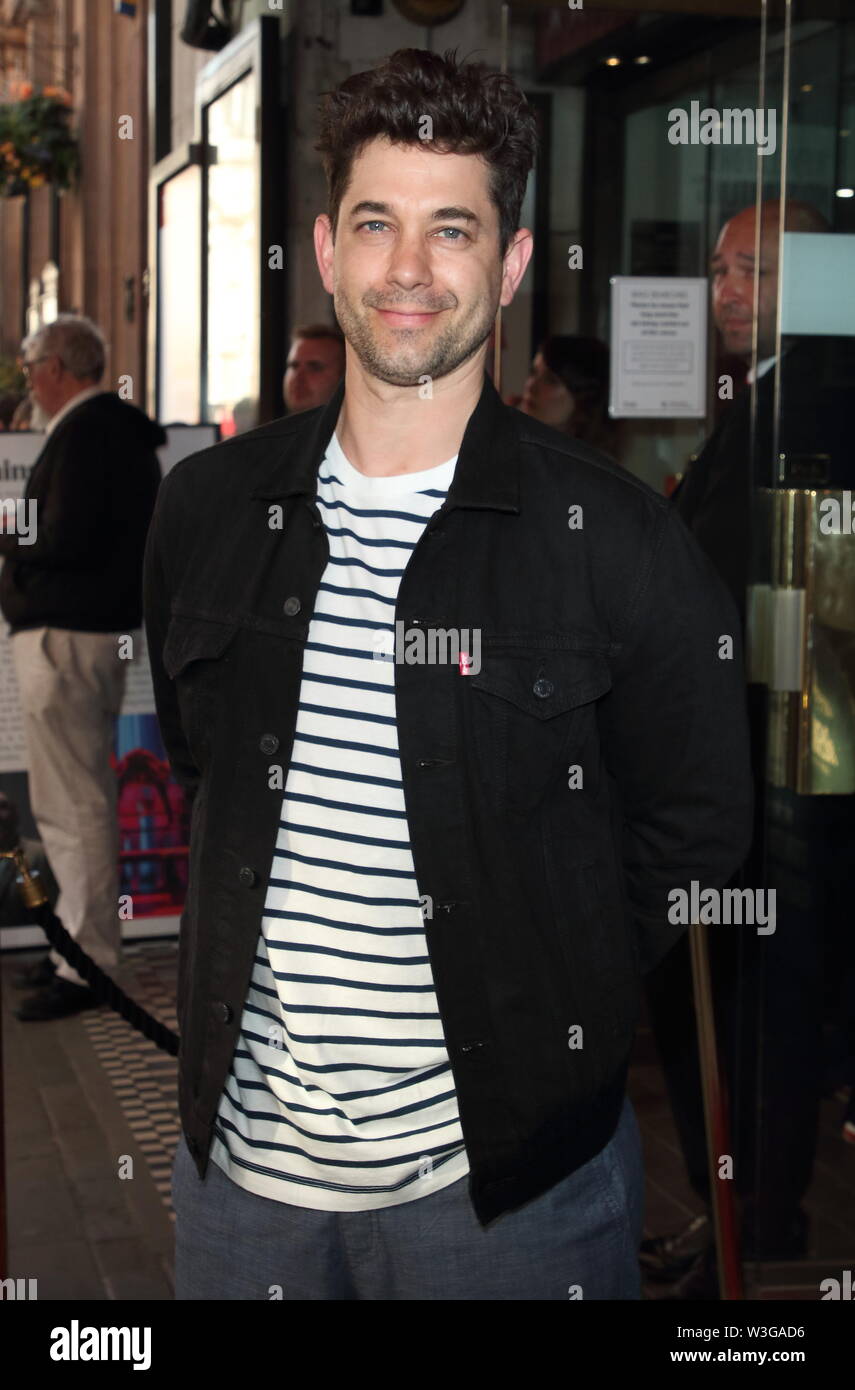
(85,395)
(487,472)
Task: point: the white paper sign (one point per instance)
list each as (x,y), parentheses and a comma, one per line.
(184,440)
(659,347)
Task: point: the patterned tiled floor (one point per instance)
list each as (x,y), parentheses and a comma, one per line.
(145,1082)
(144,1078)
(82,1092)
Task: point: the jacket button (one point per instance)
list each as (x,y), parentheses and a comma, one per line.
(543,689)
(192,1146)
(291,606)
(248,877)
(224,1012)
(268,743)
(472,1046)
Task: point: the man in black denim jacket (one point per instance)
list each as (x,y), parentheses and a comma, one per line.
(559,792)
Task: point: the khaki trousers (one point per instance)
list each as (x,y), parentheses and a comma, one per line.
(71,686)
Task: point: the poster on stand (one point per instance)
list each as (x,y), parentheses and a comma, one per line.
(153,816)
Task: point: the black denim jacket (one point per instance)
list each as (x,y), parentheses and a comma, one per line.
(596,761)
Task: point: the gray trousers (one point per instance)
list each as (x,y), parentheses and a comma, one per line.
(71,686)
(577,1241)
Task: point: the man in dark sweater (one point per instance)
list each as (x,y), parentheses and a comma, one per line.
(70,589)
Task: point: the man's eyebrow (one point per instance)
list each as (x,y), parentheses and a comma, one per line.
(450,214)
(454,215)
(367,206)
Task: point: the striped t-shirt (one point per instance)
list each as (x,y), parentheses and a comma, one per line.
(340,1094)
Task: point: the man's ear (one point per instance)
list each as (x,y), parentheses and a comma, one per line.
(515,262)
(324,247)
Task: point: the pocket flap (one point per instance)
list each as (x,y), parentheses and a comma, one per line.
(544,683)
(191,637)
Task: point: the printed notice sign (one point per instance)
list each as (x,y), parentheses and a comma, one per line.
(659,346)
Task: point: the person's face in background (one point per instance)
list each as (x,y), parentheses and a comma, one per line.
(546,397)
(314,369)
(733,269)
(50,385)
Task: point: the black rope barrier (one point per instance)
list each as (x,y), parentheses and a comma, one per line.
(104,988)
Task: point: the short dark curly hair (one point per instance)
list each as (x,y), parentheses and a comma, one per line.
(472,110)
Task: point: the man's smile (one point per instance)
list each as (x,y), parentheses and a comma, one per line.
(397,318)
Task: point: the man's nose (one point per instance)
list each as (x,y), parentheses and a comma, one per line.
(735,289)
(409,264)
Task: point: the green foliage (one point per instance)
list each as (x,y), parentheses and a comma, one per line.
(12,381)
(37,145)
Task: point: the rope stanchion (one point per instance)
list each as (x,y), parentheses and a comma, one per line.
(105,989)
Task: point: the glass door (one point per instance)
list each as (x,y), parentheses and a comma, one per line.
(720,147)
(179,296)
(802,645)
(232,260)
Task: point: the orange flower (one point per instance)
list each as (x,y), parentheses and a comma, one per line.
(25,90)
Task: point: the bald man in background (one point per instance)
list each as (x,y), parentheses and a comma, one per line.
(816,379)
(768,991)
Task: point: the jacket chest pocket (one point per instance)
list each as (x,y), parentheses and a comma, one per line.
(198,657)
(533,722)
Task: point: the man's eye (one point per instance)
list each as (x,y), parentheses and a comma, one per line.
(457,233)
(375,223)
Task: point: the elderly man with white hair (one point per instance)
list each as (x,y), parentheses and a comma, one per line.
(70,593)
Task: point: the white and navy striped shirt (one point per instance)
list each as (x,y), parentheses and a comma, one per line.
(340,1094)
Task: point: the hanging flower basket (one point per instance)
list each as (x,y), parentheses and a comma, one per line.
(36,143)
